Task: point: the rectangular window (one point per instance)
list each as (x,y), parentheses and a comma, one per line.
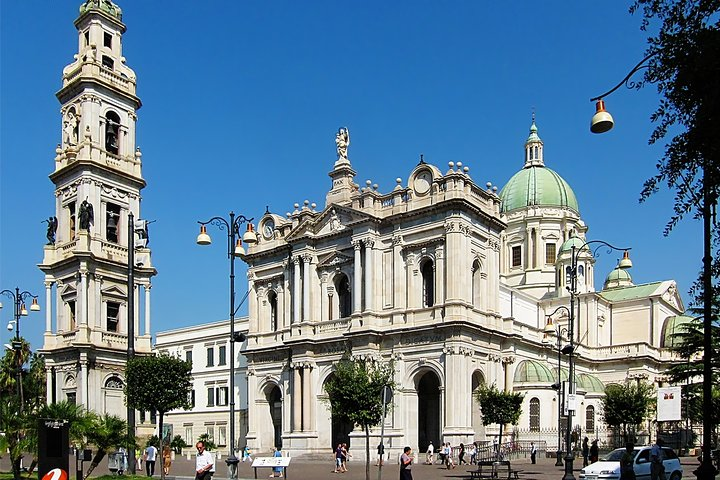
(222,436)
(189,435)
(71,398)
(71,315)
(153,418)
(188,356)
(113,311)
(222,396)
(107,40)
(211,396)
(112,220)
(71,221)
(192,398)
(550,254)
(221,355)
(517,256)
(210,357)
(107,62)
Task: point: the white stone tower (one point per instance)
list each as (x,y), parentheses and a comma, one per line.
(98,180)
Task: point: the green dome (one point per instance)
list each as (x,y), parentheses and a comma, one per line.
(671,327)
(576,242)
(106,6)
(590,383)
(618,278)
(537,185)
(533,372)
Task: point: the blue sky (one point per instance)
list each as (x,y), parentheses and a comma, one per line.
(241,101)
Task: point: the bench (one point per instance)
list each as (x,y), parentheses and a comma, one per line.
(271,462)
(490,469)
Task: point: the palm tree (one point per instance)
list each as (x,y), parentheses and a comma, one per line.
(106,433)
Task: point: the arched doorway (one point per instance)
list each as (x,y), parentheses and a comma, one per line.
(477,380)
(274,399)
(428,392)
(340,429)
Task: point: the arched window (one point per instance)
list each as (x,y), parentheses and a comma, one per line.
(568,274)
(590,419)
(428,279)
(114,382)
(342,287)
(272,300)
(476,284)
(112,133)
(534,414)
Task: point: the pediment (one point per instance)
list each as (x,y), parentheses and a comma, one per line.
(333,220)
(68,290)
(114,291)
(334,259)
(672,297)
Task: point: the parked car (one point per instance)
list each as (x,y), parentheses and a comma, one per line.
(608,467)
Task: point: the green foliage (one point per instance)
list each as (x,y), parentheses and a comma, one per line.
(158,383)
(207,441)
(154,440)
(686,69)
(627,405)
(355,393)
(688,342)
(178,443)
(107,433)
(499,407)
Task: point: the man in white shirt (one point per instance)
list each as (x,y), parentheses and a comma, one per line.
(150,456)
(430,458)
(204,463)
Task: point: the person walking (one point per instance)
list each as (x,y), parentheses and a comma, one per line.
(405,464)
(277,471)
(166,458)
(381,454)
(461,456)
(594,451)
(150,457)
(204,463)
(585,451)
(627,472)
(246,455)
(533,452)
(657,469)
(430,455)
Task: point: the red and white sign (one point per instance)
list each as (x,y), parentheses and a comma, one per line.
(56,474)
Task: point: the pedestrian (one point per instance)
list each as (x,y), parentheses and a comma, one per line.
(405,464)
(585,451)
(533,452)
(594,451)
(167,460)
(277,471)
(430,455)
(346,456)
(246,454)
(449,463)
(381,454)
(339,467)
(461,456)
(627,472)
(150,457)
(657,469)
(204,463)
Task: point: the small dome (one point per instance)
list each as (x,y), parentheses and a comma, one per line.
(672,326)
(618,278)
(590,383)
(576,242)
(532,371)
(537,185)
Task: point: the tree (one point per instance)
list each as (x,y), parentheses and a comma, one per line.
(18,405)
(626,405)
(355,393)
(158,383)
(106,433)
(178,443)
(499,407)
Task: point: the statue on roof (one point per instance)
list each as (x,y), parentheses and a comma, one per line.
(342,140)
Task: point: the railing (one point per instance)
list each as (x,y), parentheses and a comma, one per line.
(109,337)
(333,326)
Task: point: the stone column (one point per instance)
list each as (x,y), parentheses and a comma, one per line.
(357,278)
(369,291)
(324,298)
(306,314)
(48,307)
(296,400)
(296,290)
(440,275)
(399,286)
(147,312)
(83,381)
(306,425)
(453,245)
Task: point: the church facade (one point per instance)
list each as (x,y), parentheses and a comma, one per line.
(97,173)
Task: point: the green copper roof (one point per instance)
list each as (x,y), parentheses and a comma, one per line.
(672,326)
(591,383)
(537,185)
(630,293)
(534,137)
(533,372)
(106,6)
(618,277)
(573,241)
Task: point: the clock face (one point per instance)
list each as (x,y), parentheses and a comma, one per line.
(268,228)
(423,181)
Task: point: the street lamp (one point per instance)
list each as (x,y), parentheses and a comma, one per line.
(550,329)
(234,249)
(19,310)
(706,470)
(569,349)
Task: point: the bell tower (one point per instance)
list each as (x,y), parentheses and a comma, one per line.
(98,178)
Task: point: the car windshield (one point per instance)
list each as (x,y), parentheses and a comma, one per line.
(615,455)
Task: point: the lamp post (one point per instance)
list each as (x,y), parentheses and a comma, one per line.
(19,310)
(602,123)
(569,349)
(234,249)
(550,329)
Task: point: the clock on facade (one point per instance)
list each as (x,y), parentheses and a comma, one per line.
(423,181)
(268,228)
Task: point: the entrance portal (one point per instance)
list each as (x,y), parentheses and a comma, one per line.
(428,392)
(275,403)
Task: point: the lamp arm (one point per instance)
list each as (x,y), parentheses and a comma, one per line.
(219,222)
(630,85)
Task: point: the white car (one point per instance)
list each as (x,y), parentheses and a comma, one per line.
(608,468)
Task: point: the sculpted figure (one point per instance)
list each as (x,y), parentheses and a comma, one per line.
(70,128)
(52,223)
(342,140)
(85,215)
